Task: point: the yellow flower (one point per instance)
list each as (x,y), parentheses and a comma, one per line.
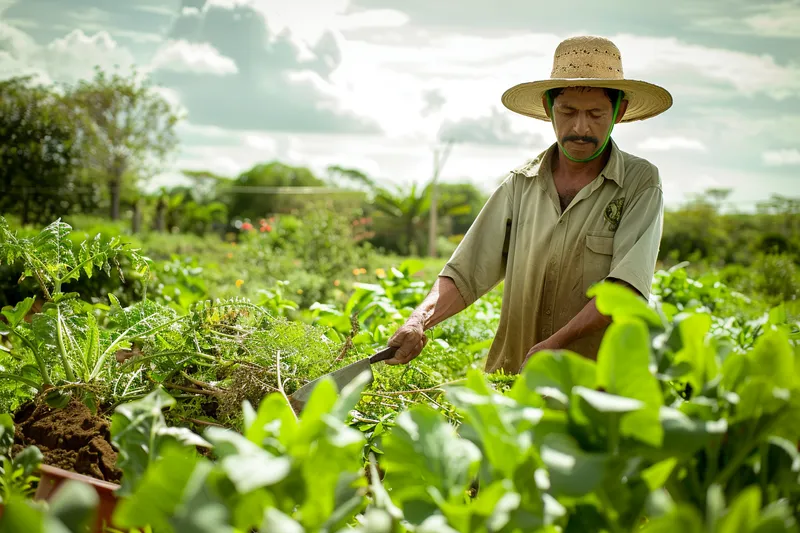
(299,291)
(336,283)
(356,271)
(239,283)
(381,273)
(230,255)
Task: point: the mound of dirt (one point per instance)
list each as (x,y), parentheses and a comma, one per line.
(70,438)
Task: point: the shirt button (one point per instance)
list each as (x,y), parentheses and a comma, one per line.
(547,312)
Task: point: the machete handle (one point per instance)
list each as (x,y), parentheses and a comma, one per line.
(383,355)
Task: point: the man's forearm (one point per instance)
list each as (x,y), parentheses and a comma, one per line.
(442,302)
(587,321)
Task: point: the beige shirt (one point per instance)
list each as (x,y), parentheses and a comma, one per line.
(612,229)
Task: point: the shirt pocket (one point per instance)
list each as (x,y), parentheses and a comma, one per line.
(596,259)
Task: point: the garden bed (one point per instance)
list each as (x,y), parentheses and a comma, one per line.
(71,438)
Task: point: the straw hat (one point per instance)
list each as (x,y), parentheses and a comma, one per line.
(589,62)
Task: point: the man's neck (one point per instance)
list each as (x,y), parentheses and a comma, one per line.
(562,167)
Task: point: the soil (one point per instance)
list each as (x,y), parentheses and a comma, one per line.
(70,438)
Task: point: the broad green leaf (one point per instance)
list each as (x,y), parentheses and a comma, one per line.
(684,436)
(174,496)
(608,403)
(423,452)
(561,370)
(139,431)
(275,521)
(20,514)
(27,461)
(623,369)
(777,517)
(743,514)
(491,511)
(684,519)
(619,302)
(494,418)
(75,505)
(16,314)
(696,350)
(772,357)
(572,471)
(759,397)
(655,476)
(274,419)
(247,465)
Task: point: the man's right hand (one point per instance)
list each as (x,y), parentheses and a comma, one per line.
(409,340)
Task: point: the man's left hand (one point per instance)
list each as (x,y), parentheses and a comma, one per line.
(549,343)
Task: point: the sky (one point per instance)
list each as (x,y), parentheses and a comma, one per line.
(377,84)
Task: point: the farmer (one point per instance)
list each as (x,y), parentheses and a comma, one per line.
(581,212)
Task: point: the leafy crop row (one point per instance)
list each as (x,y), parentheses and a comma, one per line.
(689,419)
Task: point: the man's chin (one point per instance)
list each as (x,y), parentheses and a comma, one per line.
(579,151)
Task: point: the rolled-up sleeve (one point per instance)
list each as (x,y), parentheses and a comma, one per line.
(638,239)
(477,264)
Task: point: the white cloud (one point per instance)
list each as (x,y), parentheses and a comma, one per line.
(376,18)
(660,144)
(196,58)
(672,59)
(780,19)
(492,129)
(777,158)
(67,59)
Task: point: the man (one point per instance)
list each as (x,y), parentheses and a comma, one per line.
(581,212)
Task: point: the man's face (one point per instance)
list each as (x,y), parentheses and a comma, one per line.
(582,119)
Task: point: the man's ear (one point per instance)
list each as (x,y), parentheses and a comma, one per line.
(623,106)
(544,104)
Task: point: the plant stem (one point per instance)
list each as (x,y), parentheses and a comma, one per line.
(199,383)
(763,451)
(26,381)
(39,360)
(102,359)
(613,434)
(61,348)
(191,389)
(607,508)
(280,383)
(712,460)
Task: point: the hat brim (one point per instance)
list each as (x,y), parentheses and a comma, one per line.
(645,100)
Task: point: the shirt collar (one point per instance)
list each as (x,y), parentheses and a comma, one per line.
(614,169)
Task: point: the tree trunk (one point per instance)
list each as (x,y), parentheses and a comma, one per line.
(410,237)
(115,188)
(161,213)
(137,216)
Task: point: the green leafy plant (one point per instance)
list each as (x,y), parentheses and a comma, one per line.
(17,471)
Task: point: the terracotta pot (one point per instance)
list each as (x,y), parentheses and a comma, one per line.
(52,478)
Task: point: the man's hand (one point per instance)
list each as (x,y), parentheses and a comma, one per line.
(550,343)
(409,340)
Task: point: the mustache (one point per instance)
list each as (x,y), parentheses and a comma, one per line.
(582,138)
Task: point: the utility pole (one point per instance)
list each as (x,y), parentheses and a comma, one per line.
(439,159)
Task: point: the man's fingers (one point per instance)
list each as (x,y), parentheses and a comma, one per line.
(407,352)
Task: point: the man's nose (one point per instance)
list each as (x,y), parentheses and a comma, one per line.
(582,124)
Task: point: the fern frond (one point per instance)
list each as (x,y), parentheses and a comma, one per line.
(51,258)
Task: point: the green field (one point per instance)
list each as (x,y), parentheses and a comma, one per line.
(178,352)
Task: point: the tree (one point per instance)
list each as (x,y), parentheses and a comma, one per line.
(253,195)
(38,152)
(127,130)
